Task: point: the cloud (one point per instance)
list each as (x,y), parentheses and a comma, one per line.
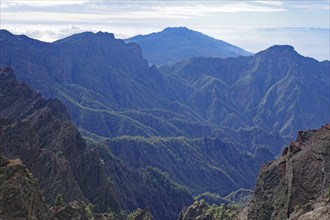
(41,3)
(170,7)
(245,23)
(46,33)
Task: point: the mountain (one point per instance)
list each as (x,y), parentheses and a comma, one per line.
(38,132)
(276,90)
(111,91)
(108,87)
(297,184)
(179,43)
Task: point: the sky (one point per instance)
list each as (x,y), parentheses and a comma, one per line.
(252,24)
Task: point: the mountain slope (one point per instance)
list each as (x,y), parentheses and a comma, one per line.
(174,44)
(276,90)
(199,164)
(106,84)
(40,134)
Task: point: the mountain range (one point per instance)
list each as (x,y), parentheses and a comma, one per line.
(179,43)
(111,91)
(271,90)
(157,134)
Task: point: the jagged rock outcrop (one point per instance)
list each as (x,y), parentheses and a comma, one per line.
(72,210)
(19,193)
(197,209)
(295,186)
(141,214)
(203,211)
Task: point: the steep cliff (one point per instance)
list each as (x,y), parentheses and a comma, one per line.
(297,184)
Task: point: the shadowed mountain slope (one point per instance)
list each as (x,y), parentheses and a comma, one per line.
(276,90)
(199,164)
(106,84)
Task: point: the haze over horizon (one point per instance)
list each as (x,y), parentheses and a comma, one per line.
(251,25)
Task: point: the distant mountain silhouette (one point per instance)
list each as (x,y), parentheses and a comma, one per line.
(178,43)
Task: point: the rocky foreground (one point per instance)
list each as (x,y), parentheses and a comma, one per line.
(297,184)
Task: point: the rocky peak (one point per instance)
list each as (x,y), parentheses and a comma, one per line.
(278,52)
(176,29)
(72,210)
(4,34)
(87,36)
(105,35)
(281,48)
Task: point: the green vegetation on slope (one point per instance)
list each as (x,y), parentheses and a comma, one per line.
(200,164)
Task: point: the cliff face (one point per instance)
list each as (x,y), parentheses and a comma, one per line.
(19,195)
(296,185)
